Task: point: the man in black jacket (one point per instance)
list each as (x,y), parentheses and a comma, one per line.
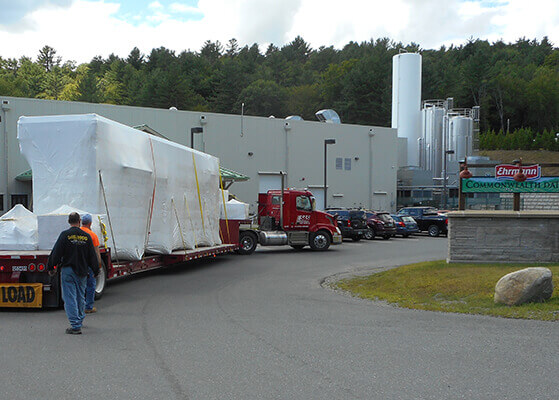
(73,254)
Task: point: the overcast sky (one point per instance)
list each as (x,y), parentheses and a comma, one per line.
(82,29)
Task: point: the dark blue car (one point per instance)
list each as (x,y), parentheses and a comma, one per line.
(405,225)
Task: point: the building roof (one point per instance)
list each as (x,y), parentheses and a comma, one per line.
(147,129)
(232,176)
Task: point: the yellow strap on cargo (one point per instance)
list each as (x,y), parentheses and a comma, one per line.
(179,223)
(199,197)
(224,207)
(103,232)
(190,218)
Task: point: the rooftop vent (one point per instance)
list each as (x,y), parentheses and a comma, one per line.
(329,116)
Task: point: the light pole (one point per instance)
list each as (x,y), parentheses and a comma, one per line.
(326,143)
(196,129)
(242,115)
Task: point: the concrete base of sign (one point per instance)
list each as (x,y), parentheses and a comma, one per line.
(503,236)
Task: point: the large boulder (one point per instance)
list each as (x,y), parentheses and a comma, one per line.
(524,286)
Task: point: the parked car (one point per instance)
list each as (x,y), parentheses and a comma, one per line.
(352,222)
(428,219)
(380,224)
(405,225)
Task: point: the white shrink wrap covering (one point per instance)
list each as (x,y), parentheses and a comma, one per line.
(155,202)
(50,225)
(18,229)
(235,210)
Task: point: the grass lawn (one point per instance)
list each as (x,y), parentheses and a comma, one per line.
(459,288)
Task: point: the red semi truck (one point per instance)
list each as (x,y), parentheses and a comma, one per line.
(297,223)
(24,281)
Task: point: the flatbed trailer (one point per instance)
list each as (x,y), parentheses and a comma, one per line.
(25,282)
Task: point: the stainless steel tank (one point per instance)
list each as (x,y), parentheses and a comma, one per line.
(461,137)
(432,119)
(272,238)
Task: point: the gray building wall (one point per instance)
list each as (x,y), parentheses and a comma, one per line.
(265,144)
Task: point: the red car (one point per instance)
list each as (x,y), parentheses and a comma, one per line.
(380,224)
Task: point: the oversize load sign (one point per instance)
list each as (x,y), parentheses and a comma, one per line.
(21,295)
(493,185)
(507,171)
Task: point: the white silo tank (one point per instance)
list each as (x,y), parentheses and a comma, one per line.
(406,101)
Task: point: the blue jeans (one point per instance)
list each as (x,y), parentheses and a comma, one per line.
(90,290)
(73,294)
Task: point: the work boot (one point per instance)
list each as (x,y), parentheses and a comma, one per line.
(91,311)
(72,331)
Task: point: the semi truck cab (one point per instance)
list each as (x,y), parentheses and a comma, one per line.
(297,223)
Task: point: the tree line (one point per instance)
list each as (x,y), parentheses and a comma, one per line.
(516,84)
(519,139)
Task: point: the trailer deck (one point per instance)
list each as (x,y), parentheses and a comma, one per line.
(24,281)
(160,260)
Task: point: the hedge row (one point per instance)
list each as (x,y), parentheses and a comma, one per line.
(519,139)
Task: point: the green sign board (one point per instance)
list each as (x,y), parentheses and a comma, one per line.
(492,185)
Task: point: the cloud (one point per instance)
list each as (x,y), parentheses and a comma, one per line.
(183,8)
(533,19)
(81,29)
(155,5)
(12,11)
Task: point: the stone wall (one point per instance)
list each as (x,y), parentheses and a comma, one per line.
(503,236)
(532,201)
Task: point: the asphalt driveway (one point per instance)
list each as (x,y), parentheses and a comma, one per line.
(262,327)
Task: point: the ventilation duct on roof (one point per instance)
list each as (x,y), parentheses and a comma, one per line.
(329,116)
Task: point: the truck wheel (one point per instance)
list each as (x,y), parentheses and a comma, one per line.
(434,231)
(386,237)
(298,246)
(247,243)
(369,234)
(101,282)
(320,241)
(406,235)
(356,238)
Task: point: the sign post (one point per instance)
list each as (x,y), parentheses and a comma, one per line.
(516,202)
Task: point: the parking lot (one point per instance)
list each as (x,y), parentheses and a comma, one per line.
(263,327)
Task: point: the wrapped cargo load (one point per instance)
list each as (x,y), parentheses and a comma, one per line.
(235,210)
(158,196)
(18,229)
(50,225)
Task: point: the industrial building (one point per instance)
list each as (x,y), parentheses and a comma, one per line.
(361,165)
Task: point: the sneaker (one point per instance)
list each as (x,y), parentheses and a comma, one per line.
(72,331)
(91,311)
